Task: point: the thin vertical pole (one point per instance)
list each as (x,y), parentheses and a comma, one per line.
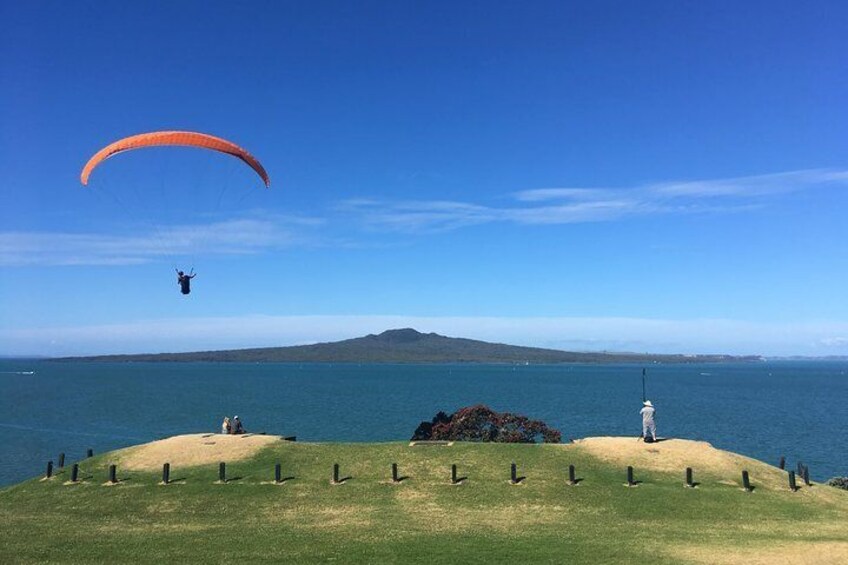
(513,477)
(113,472)
(74,473)
(746,481)
(278,473)
(49,469)
(453,474)
(629,476)
(792,485)
(61,460)
(689,482)
(166,473)
(335,472)
(222,472)
(394,473)
(572,477)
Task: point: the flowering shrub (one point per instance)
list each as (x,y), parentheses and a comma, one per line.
(480,423)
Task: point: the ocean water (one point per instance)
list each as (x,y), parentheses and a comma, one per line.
(763,410)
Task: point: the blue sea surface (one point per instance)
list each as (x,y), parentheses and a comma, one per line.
(763,410)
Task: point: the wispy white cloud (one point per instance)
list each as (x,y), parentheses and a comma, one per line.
(235,236)
(430,216)
(574,205)
(542,194)
(836,342)
(260,232)
(571,334)
(750,186)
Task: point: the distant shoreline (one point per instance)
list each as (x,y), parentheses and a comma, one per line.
(408,346)
(166,358)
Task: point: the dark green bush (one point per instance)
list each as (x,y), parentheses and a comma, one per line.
(838,482)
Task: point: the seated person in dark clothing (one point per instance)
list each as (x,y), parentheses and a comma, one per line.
(238,428)
(184,281)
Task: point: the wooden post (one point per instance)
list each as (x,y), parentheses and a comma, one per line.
(394,473)
(453,474)
(792,486)
(746,481)
(572,476)
(807,476)
(61,460)
(49,470)
(630,476)
(89,453)
(689,481)
(278,473)
(166,473)
(513,478)
(782,463)
(799,469)
(335,473)
(74,473)
(113,472)
(222,472)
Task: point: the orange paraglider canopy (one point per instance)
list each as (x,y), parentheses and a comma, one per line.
(182,138)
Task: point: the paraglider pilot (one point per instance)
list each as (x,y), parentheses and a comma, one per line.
(184,281)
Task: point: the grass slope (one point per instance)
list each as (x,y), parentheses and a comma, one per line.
(424,519)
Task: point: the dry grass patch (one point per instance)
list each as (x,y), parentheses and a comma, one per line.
(674,455)
(809,552)
(324,517)
(191,450)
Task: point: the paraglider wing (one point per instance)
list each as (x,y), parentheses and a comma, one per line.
(182,138)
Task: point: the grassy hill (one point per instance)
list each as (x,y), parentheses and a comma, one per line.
(424,518)
(410,346)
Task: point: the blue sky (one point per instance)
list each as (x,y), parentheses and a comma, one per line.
(659,177)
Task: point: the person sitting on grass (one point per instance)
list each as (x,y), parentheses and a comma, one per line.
(648,424)
(226,427)
(238,428)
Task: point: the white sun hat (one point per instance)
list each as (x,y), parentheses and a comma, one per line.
(647,403)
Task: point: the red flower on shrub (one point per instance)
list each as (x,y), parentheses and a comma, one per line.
(480,423)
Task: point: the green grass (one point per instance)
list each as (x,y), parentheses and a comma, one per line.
(424,519)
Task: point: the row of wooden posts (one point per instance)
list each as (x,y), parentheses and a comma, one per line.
(803,472)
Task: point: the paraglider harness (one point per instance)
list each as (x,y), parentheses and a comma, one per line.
(184,280)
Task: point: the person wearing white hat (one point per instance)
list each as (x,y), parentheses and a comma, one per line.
(648,424)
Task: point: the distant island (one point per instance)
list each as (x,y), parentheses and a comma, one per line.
(411,346)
